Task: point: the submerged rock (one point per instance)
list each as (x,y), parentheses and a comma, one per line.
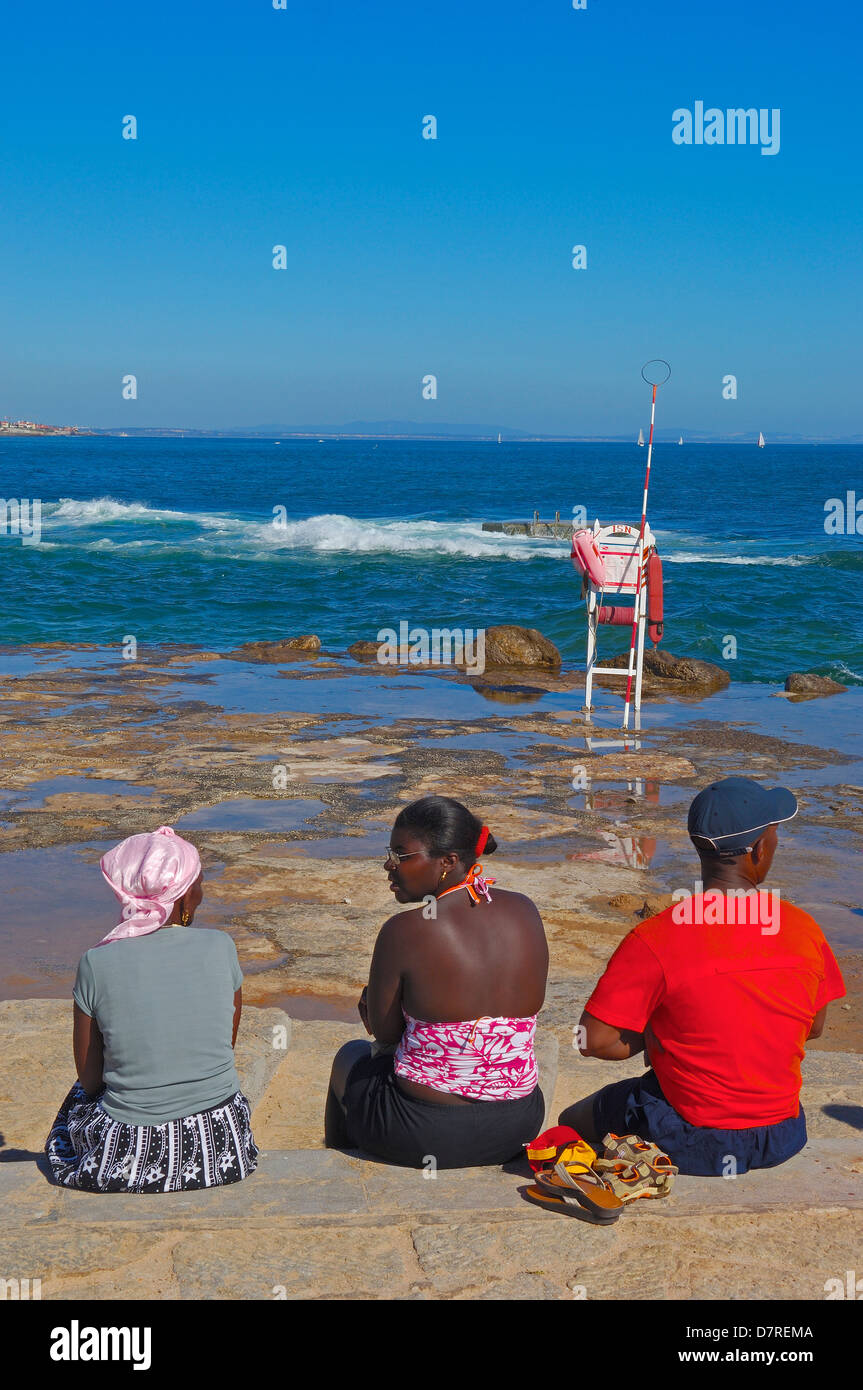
(661,668)
(365,651)
(289,649)
(807,683)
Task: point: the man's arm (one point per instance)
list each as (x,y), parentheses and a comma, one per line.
(238,1009)
(610,1044)
(631,988)
(89,1051)
(818,1024)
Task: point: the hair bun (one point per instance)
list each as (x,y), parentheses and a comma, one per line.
(445,826)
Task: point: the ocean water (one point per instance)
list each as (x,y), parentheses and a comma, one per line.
(173,540)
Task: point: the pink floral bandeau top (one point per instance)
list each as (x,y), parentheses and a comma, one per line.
(486,1059)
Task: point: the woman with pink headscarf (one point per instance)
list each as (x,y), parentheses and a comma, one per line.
(157,1106)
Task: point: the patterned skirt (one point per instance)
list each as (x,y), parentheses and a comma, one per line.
(90,1151)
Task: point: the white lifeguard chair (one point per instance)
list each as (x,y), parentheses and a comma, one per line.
(609,559)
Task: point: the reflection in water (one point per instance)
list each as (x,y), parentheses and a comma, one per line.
(629,851)
(287,813)
(627,744)
(510,694)
(616,796)
(34,794)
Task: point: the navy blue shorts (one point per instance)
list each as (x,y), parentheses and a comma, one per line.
(637,1106)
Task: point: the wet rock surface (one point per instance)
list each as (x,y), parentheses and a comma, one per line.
(806,683)
(661,668)
(366,651)
(509,645)
(579,821)
(289,649)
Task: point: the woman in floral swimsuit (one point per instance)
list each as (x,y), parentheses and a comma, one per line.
(454,988)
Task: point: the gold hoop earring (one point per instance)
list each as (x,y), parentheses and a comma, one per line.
(184,917)
(442,877)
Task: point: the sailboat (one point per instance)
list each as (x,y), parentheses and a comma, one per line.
(498,438)
(641,439)
(760,440)
(680,440)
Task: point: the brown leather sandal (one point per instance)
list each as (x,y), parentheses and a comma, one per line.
(572,1182)
(566,1180)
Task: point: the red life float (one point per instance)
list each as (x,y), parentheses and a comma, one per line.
(586,558)
(619,615)
(654,598)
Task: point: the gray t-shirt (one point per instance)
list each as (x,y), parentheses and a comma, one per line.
(164,1004)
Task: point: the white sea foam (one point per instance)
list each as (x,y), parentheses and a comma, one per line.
(325,533)
(841,669)
(686,557)
(105,543)
(237,537)
(333,532)
(97,509)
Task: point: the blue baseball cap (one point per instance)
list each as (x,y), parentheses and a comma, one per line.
(729,816)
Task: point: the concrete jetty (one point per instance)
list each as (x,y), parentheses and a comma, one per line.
(561,530)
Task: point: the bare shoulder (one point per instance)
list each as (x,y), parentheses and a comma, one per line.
(397,927)
(519,904)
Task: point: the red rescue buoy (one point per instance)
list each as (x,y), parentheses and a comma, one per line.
(620,617)
(586,558)
(654,598)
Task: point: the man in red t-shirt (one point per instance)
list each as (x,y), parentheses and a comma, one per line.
(721,991)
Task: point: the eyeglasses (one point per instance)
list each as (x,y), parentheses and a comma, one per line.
(393,856)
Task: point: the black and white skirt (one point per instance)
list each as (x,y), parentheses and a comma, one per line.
(90,1151)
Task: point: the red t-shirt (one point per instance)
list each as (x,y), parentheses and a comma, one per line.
(729,1007)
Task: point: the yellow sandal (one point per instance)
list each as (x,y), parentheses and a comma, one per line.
(566,1179)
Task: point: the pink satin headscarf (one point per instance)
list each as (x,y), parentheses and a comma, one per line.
(148,873)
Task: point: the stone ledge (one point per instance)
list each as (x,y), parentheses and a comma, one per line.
(314,1185)
(286,1233)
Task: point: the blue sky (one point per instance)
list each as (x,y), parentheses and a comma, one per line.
(406,256)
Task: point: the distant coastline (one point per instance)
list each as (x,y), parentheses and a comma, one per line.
(453,437)
(377,430)
(30,427)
